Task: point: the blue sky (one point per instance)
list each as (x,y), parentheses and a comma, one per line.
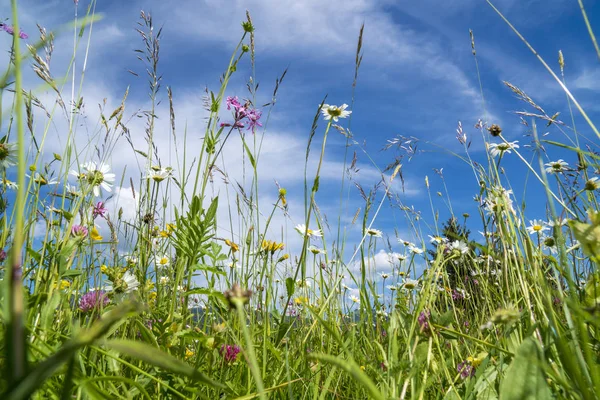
(417,78)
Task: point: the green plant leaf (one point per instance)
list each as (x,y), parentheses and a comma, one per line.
(152,355)
(524,377)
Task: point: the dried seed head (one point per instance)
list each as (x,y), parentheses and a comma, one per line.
(561,60)
(237,295)
(495,130)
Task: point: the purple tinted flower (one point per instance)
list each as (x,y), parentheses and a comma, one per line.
(229,352)
(79,230)
(2,255)
(456,295)
(99,210)
(233,102)
(93,301)
(465,369)
(253,117)
(423,320)
(11,31)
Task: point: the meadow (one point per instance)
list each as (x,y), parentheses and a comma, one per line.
(185,300)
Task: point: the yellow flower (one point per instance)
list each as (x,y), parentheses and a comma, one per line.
(474,361)
(282,193)
(362,368)
(95,235)
(188,353)
(234,247)
(103,268)
(272,246)
(301,300)
(171,227)
(283,257)
(164,234)
(64,284)
(152,296)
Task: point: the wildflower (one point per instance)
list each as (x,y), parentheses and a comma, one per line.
(499,201)
(189,353)
(457,295)
(93,300)
(415,249)
(423,320)
(460,246)
(301,300)
(99,210)
(234,247)
(536,226)
(501,148)
(392,287)
(548,243)
(436,240)
(401,257)
(465,369)
(374,232)
(410,284)
(354,299)
(253,117)
(229,352)
(95,235)
(334,112)
(64,285)
(237,295)
(592,184)
(79,231)
(555,167)
(271,246)
(8,155)
(494,130)
(159,175)
(232,102)
(9,184)
(11,31)
(95,176)
(315,250)
(345,287)
(304,231)
(384,275)
(405,242)
(42,181)
(302,283)
(130,282)
(161,261)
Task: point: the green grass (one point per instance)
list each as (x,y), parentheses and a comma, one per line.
(512,316)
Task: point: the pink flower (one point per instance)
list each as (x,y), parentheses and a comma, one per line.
(99,210)
(229,352)
(79,230)
(11,31)
(93,301)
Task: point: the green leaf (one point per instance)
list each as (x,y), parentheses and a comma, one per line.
(290,285)
(152,355)
(350,367)
(524,377)
(72,273)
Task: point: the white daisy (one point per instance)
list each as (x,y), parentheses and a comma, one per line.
(437,240)
(536,226)
(315,250)
(335,112)
(555,167)
(131,282)
(162,261)
(384,275)
(355,299)
(460,246)
(158,174)
(96,176)
(415,249)
(374,232)
(401,257)
(304,231)
(9,184)
(410,284)
(8,155)
(405,242)
(592,184)
(501,148)
(392,287)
